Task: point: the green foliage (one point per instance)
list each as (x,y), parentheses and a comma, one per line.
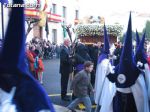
(97,29)
(147,28)
(121,38)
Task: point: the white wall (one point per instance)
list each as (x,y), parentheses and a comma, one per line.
(71,6)
(5,18)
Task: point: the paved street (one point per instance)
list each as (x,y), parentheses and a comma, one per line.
(51,76)
(52,81)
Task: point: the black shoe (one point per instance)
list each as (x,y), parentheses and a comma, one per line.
(65,98)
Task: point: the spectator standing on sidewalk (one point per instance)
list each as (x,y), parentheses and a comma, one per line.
(36,63)
(57,51)
(81,87)
(65,68)
(31,60)
(40,69)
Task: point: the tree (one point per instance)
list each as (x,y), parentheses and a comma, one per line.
(147,28)
(121,38)
(134,35)
(31,23)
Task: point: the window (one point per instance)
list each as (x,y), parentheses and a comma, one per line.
(64,12)
(54,8)
(76,14)
(54,35)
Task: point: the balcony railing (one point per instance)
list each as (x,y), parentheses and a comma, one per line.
(34,13)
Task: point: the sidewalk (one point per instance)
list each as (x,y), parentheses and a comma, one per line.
(63,109)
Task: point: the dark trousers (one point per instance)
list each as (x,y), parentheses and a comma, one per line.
(93,78)
(34,74)
(64,83)
(124,102)
(73,96)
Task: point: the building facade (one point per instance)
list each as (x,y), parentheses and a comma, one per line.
(58,13)
(55,12)
(5,20)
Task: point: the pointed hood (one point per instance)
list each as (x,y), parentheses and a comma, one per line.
(105,51)
(126,72)
(127,49)
(140,53)
(4,1)
(13,67)
(106,41)
(137,39)
(14,42)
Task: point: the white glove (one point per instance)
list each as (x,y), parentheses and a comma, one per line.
(114,57)
(139,64)
(7,97)
(110,69)
(6,101)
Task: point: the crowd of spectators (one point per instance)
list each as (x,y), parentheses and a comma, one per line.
(46,49)
(37,51)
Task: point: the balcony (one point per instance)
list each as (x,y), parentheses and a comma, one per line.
(34,13)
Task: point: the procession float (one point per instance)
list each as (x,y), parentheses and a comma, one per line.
(93,33)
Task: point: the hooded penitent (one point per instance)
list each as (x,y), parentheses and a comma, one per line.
(137,40)
(101,71)
(81,56)
(29,95)
(128,92)
(105,51)
(140,53)
(126,73)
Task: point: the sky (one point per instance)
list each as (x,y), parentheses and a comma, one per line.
(117,11)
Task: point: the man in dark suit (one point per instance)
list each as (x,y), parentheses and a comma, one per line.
(95,51)
(81,55)
(65,68)
(117,53)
